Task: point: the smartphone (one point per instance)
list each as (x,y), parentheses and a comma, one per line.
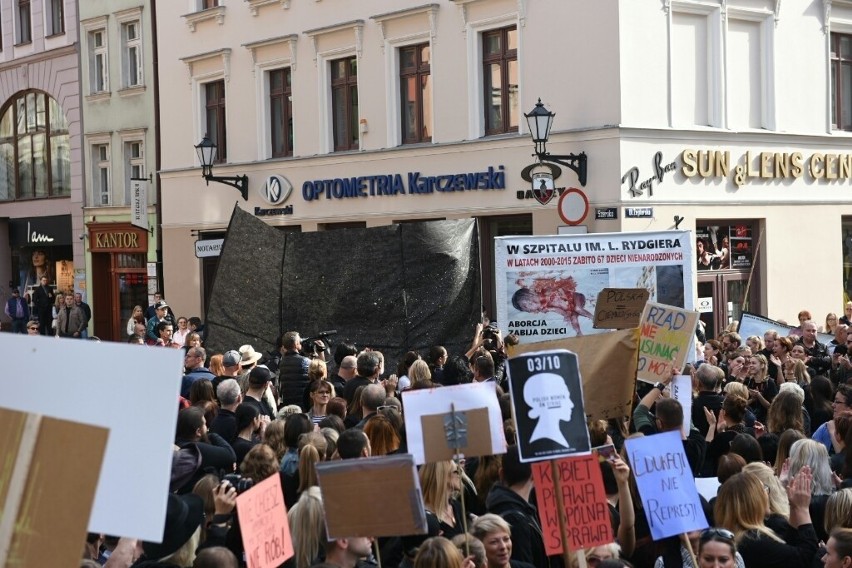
(606,453)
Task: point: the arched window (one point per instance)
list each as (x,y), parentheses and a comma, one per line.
(35,148)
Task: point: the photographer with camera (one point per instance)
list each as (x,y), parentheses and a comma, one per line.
(292,370)
(487,342)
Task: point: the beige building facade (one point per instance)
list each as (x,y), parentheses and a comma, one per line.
(691,113)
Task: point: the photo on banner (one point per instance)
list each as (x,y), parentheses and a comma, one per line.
(547,400)
(587,517)
(753,324)
(666,485)
(460,419)
(666,340)
(263,524)
(547,286)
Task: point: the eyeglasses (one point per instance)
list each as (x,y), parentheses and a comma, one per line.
(707,534)
(32,328)
(386,407)
(327,393)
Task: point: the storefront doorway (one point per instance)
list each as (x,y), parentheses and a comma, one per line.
(728,276)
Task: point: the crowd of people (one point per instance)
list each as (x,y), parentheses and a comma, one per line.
(771,419)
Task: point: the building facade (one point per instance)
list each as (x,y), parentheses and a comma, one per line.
(725,117)
(119,148)
(41,177)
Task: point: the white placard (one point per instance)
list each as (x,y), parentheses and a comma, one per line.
(131,390)
(682,392)
(472,396)
(708,487)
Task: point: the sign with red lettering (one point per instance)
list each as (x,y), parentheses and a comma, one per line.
(667,334)
(587,519)
(263,524)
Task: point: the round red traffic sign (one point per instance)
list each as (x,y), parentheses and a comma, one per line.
(573,206)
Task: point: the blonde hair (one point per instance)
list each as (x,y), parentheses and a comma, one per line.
(737,389)
(318,370)
(185,555)
(312,449)
(307,526)
(778,502)
(435,483)
(838,510)
(741,505)
(419,372)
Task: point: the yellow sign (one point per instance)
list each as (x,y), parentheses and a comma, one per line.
(765,165)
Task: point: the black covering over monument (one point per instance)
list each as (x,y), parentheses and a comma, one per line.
(390,288)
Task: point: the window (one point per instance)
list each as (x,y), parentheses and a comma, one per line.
(98,62)
(100,175)
(35,148)
(134,166)
(281,112)
(131,56)
(415,93)
(841,81)
(214,96)
(205,4)
(55,17)
(500,73)
(344,103)
(25,28)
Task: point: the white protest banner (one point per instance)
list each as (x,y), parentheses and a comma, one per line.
(441,420)
(665,483)
(666,339)
(547,285)
(131,390)
(682,392)
(547,398)
(752,324)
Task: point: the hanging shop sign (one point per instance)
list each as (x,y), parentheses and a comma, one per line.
(412,183)
(209,247)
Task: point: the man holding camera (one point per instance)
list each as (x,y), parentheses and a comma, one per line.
(292,370)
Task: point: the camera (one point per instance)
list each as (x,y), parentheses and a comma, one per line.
(309,346)
(491,331)
(238,482)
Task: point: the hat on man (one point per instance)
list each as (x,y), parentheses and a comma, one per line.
(184,514)
(161,305)
(249,356)
(231,358)
(259,376)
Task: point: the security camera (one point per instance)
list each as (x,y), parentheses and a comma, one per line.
(82,236)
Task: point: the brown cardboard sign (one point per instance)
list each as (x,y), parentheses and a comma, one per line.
(47,491)
(620,308)
(607,365)
(372,497)
(438,446)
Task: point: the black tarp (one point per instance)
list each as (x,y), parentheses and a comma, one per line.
(391,288)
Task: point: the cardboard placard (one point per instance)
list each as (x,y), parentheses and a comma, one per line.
(46,494)
(666,485)
(607,367)
(89,373)
(488,439)
(587,519)
(620,308)
(438,446)
(547,400)
(263,524)
(372,497)
(666,337)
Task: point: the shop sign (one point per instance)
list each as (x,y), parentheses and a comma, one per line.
(210,247)
(631,178)
(715,164)
(119,237)
(606,213)
(261,212)
(139,203)
(412,183)
(45,231)
(275,190)
(531,194)
(705,305)
(638,212)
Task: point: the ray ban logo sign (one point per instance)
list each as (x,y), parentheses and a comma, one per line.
(275,190)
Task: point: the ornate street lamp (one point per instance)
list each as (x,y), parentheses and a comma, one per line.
(207,155)
(539,121)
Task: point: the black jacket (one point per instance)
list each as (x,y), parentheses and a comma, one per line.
(527,538)
(293,378)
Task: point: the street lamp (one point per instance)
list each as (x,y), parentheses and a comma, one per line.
(207,155)
(539,121)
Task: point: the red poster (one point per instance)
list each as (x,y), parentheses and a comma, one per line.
(263,524)
(587,518)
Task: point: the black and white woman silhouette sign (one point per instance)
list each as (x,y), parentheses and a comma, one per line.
(547,396)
